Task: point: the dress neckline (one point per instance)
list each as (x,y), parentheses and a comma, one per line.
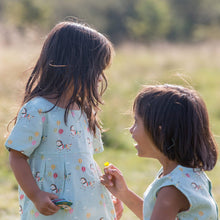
(57,107)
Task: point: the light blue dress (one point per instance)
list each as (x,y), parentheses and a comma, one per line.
(194,184)
(61,160)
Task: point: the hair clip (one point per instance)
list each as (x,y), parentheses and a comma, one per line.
(172,145)
(53,65)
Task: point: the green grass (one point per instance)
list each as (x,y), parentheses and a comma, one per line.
(133,66)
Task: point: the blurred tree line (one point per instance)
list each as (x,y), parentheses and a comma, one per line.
(139,20)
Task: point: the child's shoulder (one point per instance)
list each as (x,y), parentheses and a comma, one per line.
(39,104)
(185,176)
(186,172)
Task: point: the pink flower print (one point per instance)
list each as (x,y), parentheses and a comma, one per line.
(55,175)
(60,131)
(34,142)
(83,169)
(43,119)
(187,175)
(36,214)
(21,196)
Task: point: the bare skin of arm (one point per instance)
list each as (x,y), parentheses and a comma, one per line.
(115,183)
(170,201)
(23,174)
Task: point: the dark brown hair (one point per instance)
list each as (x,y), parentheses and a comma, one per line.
(178,123)
(73,56)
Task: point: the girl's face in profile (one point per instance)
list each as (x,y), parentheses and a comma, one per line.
(144,145)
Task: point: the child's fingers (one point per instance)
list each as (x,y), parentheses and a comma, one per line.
(114,173)
(119,214)
(105,181)
(111,167)
(52,209)
(44,203)
(48,208)
(52,206)
(111,177)
(107,169)
(118,208)
(118,204)
(52,196)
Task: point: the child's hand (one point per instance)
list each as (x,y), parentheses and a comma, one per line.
(118,207)
(43,203)
(114,181)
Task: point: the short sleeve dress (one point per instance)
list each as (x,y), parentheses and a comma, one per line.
(194,184)
(61,161)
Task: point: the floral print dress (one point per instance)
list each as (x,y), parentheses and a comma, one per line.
(194,184)
(61,160)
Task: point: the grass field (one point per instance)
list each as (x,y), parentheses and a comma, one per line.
(134,65)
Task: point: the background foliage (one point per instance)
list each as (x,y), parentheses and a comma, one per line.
(145,20)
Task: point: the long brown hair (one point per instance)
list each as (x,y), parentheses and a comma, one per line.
(73,56)
(177,120)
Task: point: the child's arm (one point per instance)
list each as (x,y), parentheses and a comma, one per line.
(115,183)
(23,174)
(170,201)
(118,207)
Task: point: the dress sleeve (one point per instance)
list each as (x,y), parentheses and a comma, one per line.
(180,180)
(97,142)
(27,132)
